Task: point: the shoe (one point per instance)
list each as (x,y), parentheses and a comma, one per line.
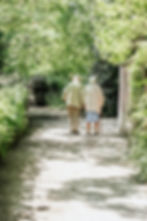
(88,133)
(96,133)
(75,132)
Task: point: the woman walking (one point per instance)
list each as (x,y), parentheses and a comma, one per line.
(94,102)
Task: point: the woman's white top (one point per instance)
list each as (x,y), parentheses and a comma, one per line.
(93,98)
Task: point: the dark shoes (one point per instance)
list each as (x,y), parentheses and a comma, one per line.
(75,132)
(96,133)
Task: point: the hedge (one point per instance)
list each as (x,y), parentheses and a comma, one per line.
(13,120)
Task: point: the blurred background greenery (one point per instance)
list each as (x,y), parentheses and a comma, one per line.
(56,39)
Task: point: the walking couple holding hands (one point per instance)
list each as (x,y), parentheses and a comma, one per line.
(90,98)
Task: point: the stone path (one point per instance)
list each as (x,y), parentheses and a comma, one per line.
(52,176)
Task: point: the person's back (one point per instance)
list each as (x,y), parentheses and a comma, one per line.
(94,98)
(73,95)
(94,101)
(73,98)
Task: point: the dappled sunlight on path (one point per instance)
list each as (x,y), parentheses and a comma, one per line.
(78,177)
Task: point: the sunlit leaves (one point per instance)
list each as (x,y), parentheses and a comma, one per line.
(121,24)
(121,37)
(47,37)
(12,115)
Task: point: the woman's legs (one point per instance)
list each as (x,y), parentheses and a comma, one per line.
(88,127)
(96,127)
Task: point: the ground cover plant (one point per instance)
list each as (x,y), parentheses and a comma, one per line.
(13,119)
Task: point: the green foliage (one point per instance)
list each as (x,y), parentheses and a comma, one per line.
(121,26)
(42,37)
(139,110)
(138,70)
(53,38)
(58,38)
(122,39)
(139,137)
(47,37)
(13,119)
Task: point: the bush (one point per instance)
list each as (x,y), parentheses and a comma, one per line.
(139,138)
(13,119)
(139,111)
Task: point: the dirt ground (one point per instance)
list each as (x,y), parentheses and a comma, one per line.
(53,176)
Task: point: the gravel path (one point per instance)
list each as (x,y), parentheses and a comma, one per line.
(53,176)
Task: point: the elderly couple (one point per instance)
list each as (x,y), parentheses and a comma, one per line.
(90,98)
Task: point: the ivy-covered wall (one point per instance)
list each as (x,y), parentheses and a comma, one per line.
(138,70)
(122,39)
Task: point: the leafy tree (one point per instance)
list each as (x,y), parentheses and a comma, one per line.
(48,37)
(121,38)
(121,28)
(52,38)
(13,120)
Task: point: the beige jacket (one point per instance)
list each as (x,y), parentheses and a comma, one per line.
(73,95)
(93,98)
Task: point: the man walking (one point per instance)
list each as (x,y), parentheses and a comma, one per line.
(73,98)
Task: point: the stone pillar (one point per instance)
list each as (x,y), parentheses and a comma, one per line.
(124,99)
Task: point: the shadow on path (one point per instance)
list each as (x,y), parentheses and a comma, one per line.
(54,176)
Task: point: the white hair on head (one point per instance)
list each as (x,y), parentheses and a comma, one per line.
(76,79)
(92,79)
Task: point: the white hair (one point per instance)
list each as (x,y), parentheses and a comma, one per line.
(92,79)
(76,79)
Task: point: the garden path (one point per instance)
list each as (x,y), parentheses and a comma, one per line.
(53,176)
